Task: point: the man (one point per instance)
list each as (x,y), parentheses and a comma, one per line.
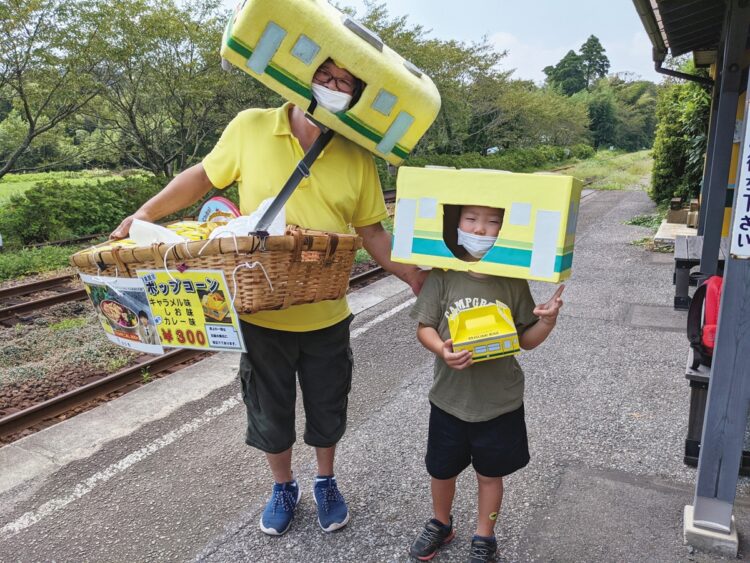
(259,149)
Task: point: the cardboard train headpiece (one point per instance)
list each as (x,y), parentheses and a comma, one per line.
(283,42)
(536,236)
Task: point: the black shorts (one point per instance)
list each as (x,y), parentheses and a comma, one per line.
(322,359)
(495,447)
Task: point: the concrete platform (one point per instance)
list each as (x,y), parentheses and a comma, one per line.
(710,540)
(667,232)
(607,410)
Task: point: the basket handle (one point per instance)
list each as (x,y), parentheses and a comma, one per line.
(333,243)
(119,264)
(298,240)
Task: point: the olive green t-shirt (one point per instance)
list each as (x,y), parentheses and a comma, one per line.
(484,390)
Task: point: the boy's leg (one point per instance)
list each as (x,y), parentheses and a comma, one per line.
(490,495)
(443,491)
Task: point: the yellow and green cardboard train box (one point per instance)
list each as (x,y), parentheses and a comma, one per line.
(487,331)
(282,42)
(536,235)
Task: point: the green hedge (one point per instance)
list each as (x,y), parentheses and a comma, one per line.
(515,160)
(56,210)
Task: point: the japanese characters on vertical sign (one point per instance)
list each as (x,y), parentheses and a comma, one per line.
(740,236)
(123,310)
(192,309)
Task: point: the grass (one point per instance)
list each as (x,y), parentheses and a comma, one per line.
(12,184)
(68,324)
(612,170)
(28,261)
(37,350)
(652,221)
(362,255)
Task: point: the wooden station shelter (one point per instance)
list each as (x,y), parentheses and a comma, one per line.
(716,33)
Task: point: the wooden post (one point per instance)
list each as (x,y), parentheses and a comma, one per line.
(729,81)
(729,388)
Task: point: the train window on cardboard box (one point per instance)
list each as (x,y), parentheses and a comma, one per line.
(305,49)
(384,102)
(266,48)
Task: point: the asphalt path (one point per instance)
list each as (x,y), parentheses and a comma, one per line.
(606,405)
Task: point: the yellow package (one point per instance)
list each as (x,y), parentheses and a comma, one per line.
(193,230)
(488,332)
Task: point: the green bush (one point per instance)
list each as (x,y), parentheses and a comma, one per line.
(29,261)
(56,210)
(682,112)
(514,160)
(582,151)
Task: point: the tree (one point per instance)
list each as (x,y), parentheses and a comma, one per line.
(567,75)
(594,62)
(51,65)
(171,98)
(454,66)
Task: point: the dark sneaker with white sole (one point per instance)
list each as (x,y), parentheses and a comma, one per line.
(483,550)
(433,536)
(279,512)
(333,513)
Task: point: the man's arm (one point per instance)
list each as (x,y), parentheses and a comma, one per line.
(377,241)
(183,190)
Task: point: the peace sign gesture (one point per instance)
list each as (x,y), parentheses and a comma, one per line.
(547,312)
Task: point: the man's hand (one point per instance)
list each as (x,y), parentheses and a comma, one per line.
(547,312)
(123,229)
(455,360)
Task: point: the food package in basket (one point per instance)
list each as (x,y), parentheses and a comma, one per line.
(274,272)
(282,43)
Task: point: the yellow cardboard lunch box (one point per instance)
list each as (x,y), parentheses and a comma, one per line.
(487,331)
(536,237)
(282,42)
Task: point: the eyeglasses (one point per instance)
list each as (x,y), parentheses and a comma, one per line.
(345,85)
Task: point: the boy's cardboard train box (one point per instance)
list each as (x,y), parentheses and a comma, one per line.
(538,228)
(535,242)
(282,43)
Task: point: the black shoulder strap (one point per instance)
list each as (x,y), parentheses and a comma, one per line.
(695,315)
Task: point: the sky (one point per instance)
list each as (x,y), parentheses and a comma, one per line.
(535,33)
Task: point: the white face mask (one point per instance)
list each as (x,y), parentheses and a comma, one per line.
(476,245)
(332,100)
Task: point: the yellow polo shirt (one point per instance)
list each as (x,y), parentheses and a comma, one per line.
(259,152)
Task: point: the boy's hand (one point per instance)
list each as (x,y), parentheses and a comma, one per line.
(455,360)
(547,312)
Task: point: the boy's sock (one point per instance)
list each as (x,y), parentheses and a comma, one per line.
(484,538)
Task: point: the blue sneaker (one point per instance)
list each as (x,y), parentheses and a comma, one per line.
(279,512)
(332,511)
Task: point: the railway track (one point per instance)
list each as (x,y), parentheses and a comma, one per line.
(17,422)
(39,413)
(60,286)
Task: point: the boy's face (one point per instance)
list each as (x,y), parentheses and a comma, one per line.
(480,220)
(144,320)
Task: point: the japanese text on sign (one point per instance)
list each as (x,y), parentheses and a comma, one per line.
(740,237)
(193,309)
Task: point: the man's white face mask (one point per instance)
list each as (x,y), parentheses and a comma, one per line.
(332,100)
(476,245)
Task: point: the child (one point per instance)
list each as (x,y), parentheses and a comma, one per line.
(476,412)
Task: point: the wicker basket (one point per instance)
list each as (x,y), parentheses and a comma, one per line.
(302,266)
